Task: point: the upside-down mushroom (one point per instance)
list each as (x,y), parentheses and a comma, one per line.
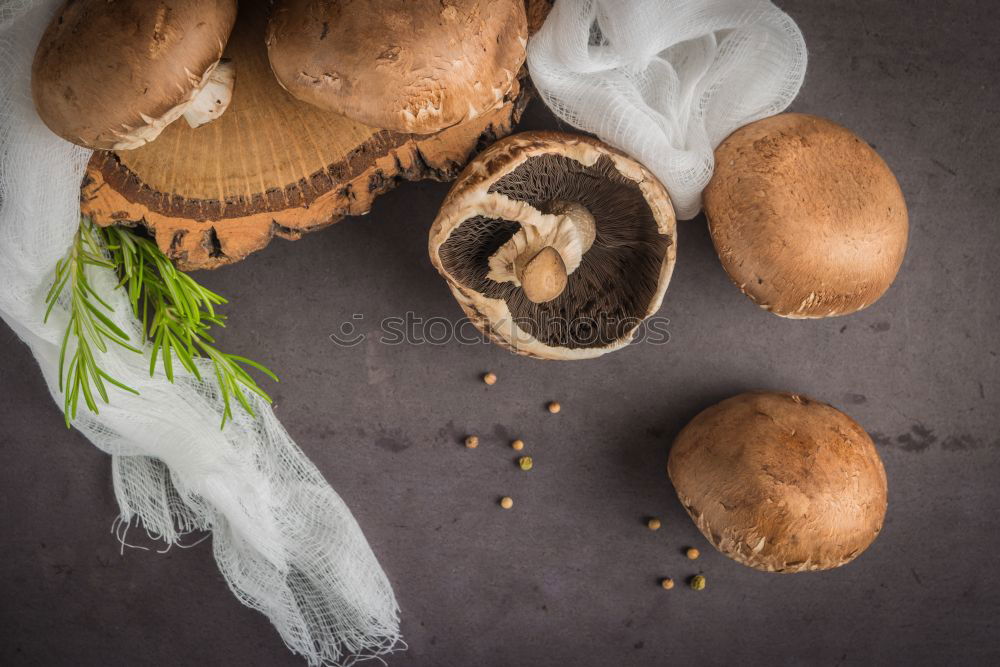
(806,217)
(415,67)
(780,482)
(556,245)
(113,75)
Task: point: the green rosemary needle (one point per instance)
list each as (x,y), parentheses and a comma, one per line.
(88,324)
(176,312)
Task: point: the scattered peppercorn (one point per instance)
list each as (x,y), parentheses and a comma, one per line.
(490,378)
(525,462)
(698,582)
(517,445)
(554,407)
(653,523)
(506,502)
(472,442)
(667,583)
(692,553)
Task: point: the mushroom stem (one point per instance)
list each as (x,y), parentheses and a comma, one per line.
(214,97)
(542,276)
(545,254)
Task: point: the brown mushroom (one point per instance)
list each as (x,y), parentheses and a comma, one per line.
(806,217)
(780,482)
(556,245)
(270,166)
(113,75)
(406,66)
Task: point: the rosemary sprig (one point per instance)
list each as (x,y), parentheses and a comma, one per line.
(176,312)
(88,325)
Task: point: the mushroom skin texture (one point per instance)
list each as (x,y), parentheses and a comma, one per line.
(157,57)
(414,67)
(806,217)
(780,482)
(112,75)
(607,217)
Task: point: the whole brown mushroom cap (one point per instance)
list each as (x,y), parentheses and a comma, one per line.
(780,482)
(806,217)
(415,67)
(110,75)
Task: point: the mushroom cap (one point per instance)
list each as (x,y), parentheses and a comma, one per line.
(806,217)
(406,66)
(506,191)
(111,75)
(780,482)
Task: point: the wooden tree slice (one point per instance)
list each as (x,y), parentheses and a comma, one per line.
(271,165)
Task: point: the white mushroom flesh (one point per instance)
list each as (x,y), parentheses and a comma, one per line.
(215,95)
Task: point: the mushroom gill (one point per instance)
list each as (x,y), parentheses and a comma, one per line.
(609,294)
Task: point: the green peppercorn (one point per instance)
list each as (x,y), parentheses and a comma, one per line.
(525,462)
(698,582)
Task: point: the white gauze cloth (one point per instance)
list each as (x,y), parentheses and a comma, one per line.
(284,540)
(667,80)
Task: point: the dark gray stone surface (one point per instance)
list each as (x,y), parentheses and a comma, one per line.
(569,576)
